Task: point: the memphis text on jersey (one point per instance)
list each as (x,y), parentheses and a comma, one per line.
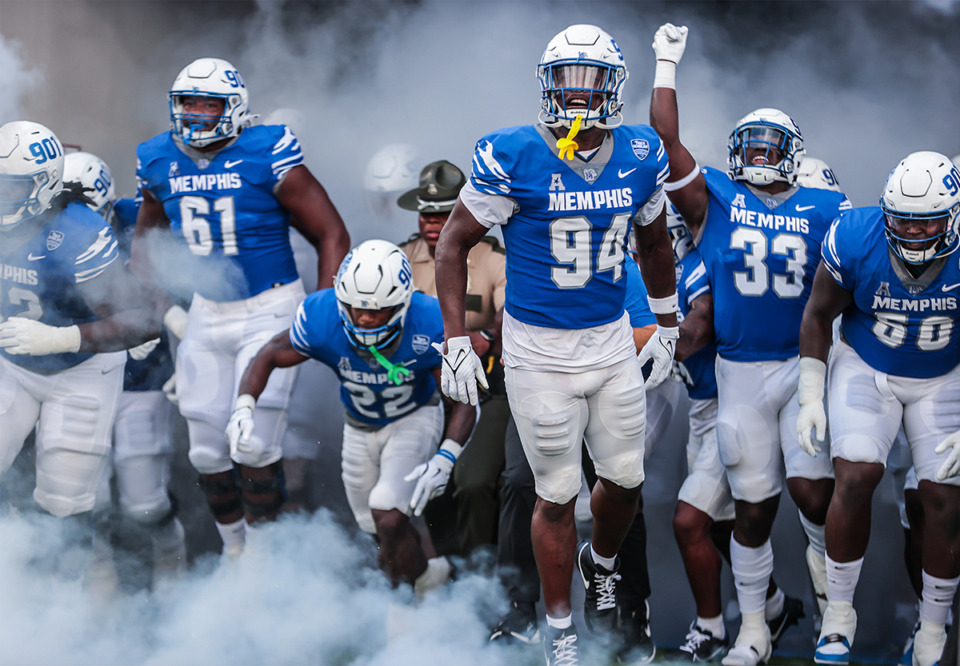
(621,197)
(752,218)
(205,181)
(19,275)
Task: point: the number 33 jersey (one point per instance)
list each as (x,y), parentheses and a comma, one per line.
(366,391)
(898,325)
(760,262)
(223,206)
(565,237)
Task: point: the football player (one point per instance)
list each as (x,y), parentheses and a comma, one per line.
(69,308)
(759,237)
(143,429)
(889,272)
(375,333)
(566,192)
(228,192)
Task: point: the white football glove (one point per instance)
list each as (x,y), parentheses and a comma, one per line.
(175,319)
(170,389)
(240,427)
(669,42)
(813,372)
(679,372)
(28,336)
(950,466)
(462,370)
(660,347)
(140,352)
(432,476)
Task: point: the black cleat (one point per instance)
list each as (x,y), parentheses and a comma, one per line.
(789,616)
(519,625)
(637,646)
(600,604)
(700,645)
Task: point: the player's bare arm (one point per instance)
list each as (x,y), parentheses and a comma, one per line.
(460,233)
(655,255)
(315,216)
(462,417)
(277,353)
(827,301)
(696,329)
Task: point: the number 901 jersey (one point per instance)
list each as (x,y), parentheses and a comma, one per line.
(760,262)
(897,328)
(224,208)
(565,238)
(366,391)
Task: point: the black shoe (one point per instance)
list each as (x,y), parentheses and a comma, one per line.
(637,646)
(519,625)
(789,616)
(701,645)
(560,646)
(600,604)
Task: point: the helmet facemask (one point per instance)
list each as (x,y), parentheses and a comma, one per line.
(209,78)
(765,147)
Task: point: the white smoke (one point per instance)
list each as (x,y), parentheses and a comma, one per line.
(17,79)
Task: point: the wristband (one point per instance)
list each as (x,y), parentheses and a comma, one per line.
(449,450)
(813,373)
(683,182)
(665,75)
(488,335)
(245,401)
(666,305)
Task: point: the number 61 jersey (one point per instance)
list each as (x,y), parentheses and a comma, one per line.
(366,391)
(565,238)
(223,206)
(760,262)
(898,325)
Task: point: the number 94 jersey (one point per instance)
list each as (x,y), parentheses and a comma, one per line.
(223,206)
(365,389)
(897,325)
(565,238)
(760,261)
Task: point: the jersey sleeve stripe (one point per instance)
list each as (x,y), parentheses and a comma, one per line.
(662,176)
(105,244)
(90,273)
(705,289)
(488,174)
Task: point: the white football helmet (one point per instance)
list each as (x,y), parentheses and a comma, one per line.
(816,173)
(765,129)
(924,187)
(581,73)
(679,234)
(390,172)
(375,275)
(93,177)
(31,171)
(209,77)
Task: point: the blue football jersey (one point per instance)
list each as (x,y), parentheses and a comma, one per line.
(39,278)
(899,328)
(760,262)
(152,372)
(367,394)
(691,284)
(224,209)
(565,239)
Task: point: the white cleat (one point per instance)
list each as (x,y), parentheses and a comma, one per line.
(753,646)
(836,634)
(928,644)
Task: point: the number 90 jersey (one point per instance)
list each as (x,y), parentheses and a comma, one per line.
(897,328)
(760,262)
(365,390)
(224,208)
(565,238)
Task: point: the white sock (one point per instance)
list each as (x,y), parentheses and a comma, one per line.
(815,534)
(560,622)
(752,568)
(714,625)
(937,598)
(842,579)
(605,562)
(233,534)
(774,605)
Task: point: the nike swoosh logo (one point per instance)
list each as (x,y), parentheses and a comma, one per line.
(35,257)
(624,174)
(800,209)
(229,164)
(950,287)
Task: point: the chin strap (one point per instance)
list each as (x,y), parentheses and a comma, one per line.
(395,373)
(567,146)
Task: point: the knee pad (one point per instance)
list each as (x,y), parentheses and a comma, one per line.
(560,486)
(67,481)
(209,459)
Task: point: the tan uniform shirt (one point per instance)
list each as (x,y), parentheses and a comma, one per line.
(486,277)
